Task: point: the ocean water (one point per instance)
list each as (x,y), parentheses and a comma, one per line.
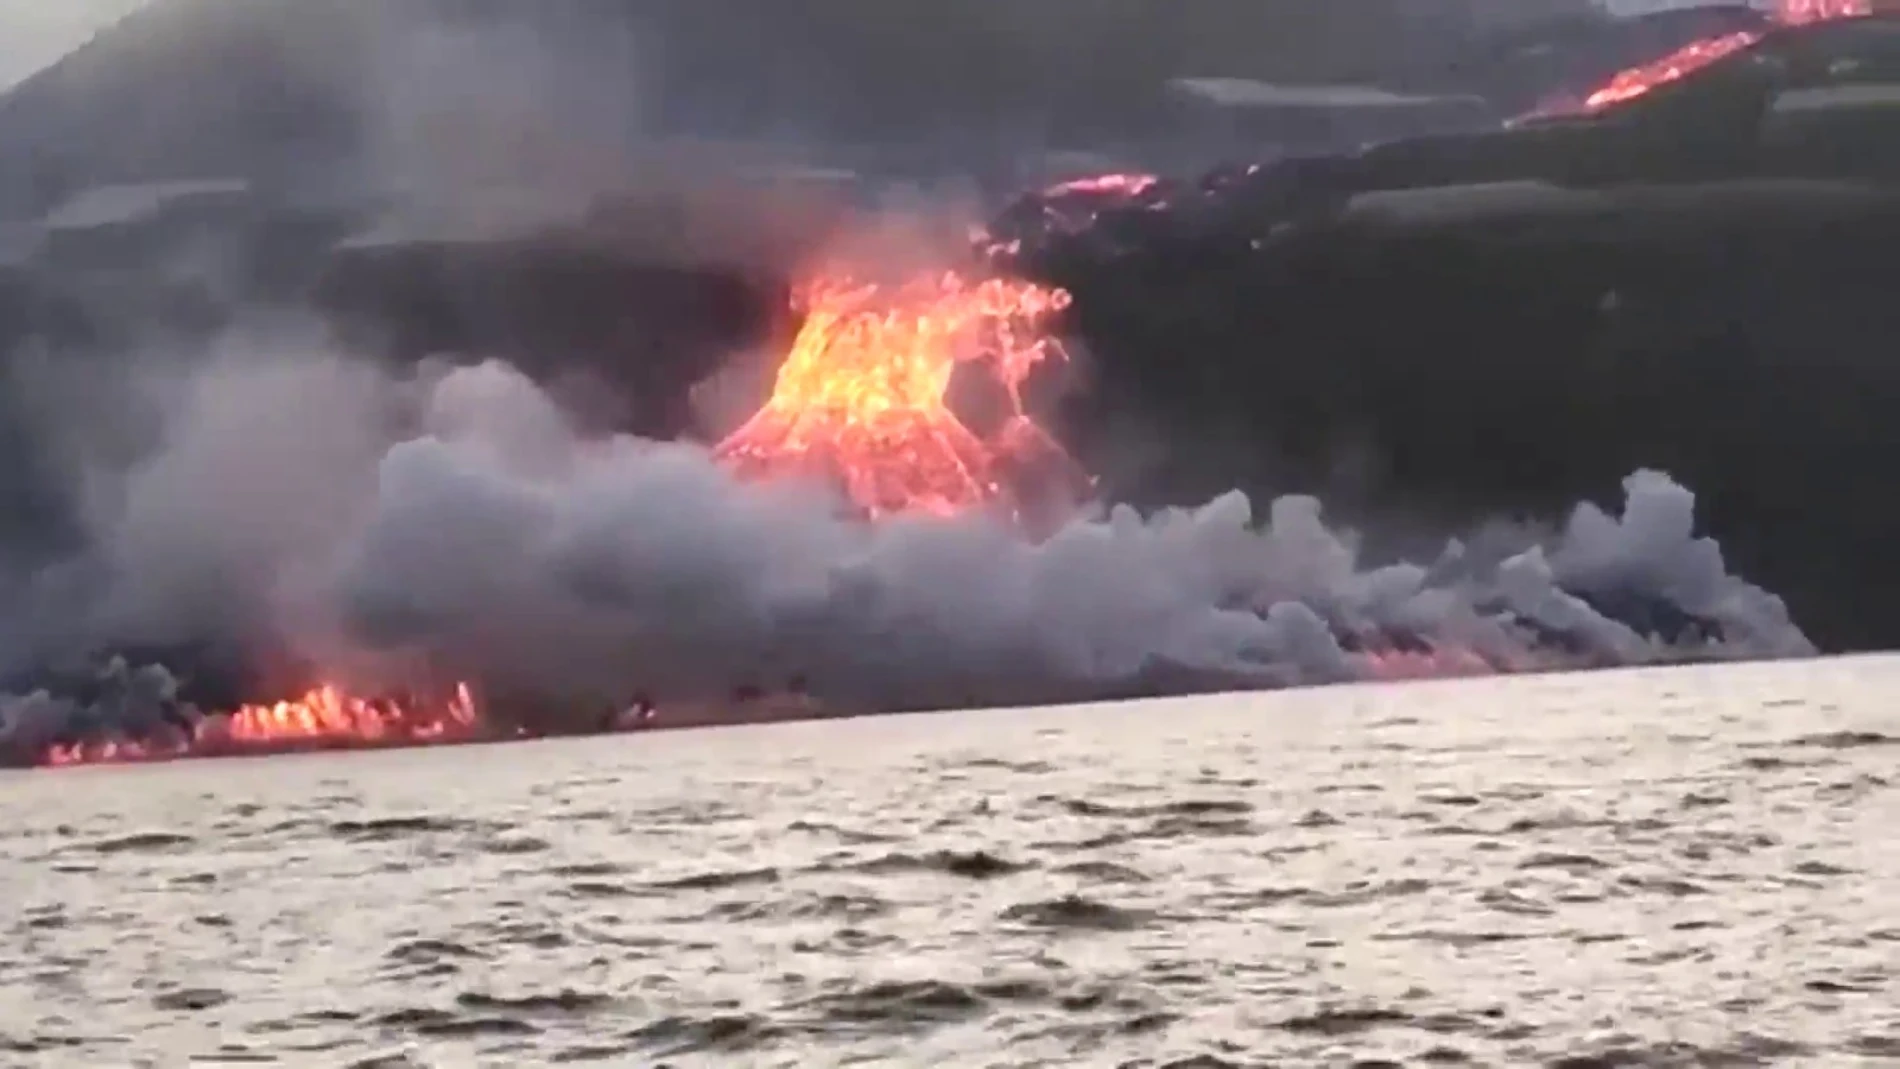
(1686,867)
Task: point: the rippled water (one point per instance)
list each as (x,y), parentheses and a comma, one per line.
(1693,867)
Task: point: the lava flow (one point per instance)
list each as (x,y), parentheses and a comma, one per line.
(323,719)
(1695,55)
(1128,185)
(861,399)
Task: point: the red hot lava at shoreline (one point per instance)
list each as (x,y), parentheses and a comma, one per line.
(1634,82)
(323,719)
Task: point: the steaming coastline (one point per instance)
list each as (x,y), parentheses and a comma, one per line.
(281,507)
(457,519)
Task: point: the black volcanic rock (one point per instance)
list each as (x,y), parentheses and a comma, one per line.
(299,90)
(1440,330)
(1564,59)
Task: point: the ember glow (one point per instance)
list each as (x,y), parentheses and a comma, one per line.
(1797,12)
(861,399)
(1127,185)
(325,718)
(1634,82)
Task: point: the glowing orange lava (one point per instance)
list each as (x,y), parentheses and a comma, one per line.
(861,397)
(1127,185)
(1636,81)
(1797,12)
(325,718)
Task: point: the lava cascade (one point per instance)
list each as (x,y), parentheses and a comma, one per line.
(1634,82)
(325,718)
(861,399)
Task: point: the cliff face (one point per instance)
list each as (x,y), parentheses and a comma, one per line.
(300,90)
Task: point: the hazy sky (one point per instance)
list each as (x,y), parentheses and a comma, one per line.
(34,33)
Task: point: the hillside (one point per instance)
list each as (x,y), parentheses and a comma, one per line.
(298,91)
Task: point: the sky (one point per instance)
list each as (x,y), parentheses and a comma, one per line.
(34,33)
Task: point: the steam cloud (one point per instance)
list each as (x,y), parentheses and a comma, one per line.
(455,518)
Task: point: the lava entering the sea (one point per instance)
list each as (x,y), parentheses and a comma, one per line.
(1636,81)
(325,718)
(862,398)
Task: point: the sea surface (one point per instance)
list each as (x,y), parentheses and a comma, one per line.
(1691,867)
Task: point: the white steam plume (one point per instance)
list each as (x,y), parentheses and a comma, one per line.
(459,519)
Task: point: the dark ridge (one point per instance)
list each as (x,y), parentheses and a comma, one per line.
(1586,295)
(1568,55)
(283,91)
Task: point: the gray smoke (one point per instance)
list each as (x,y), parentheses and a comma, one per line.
(457,519)
(461,112)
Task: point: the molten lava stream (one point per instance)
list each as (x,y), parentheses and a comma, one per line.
(324,719)
(1636,81)
(861,397)
(1695,55)
(1129,185)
